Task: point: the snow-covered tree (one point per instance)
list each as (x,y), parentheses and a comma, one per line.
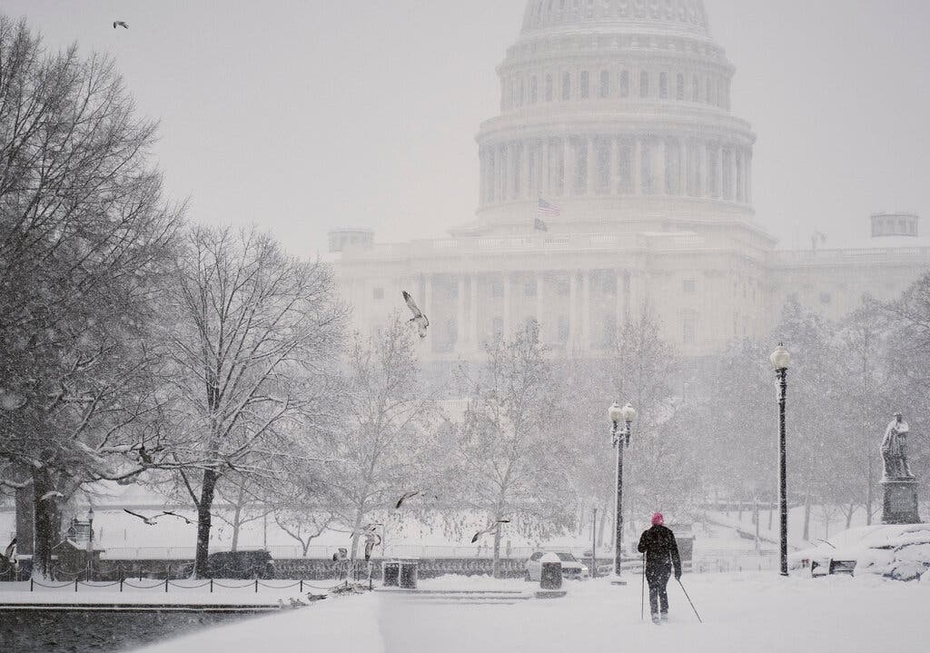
(254,337)
(84,240)
(511,460)
(384,447)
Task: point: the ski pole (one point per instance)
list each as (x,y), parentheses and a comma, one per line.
(642,594)
(690,601)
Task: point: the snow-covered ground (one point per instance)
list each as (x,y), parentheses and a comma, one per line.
(757,612)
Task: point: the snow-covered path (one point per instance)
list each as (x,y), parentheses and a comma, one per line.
(742,612)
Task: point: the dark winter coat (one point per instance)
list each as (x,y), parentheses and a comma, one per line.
(661,549)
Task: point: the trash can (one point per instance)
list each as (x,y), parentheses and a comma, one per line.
(408,575)
(550,577)
(390,573)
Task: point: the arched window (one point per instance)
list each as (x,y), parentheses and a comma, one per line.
(584,85)
(548,87)
(520,93)
(566,86)
(680,89)
(533,95)
(644,84)
(605,84)
(663,86)
(624,83)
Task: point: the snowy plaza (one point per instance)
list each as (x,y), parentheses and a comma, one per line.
(757,612)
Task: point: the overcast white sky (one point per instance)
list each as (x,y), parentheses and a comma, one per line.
(304,115)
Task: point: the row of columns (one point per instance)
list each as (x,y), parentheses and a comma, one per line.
(616,165)
(470,303)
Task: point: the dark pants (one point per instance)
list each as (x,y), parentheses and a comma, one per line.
(657,576)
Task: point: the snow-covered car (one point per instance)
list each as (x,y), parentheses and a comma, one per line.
(840,554)
(571,567)
(902,558)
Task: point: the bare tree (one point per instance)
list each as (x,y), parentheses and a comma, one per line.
(511,458)
(384,449)
(256,332)
(84,241)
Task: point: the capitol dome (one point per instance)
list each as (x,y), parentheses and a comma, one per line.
(681,15)
(618,113)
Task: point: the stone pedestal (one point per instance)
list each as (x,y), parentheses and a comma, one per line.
(899,505)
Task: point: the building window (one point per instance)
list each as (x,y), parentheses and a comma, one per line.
(497,288)
(663,86)
(687,331)
(602,184)
(680,89)
(584,85)
(624,83)
(625,167)
(497,328)
(695,89)
(520,94)
(548,88)
(644,84)
(533,95)
(605,84)
(566,86)
(529,288)
(825,298)
(563,328)
(688,286)
(377,293)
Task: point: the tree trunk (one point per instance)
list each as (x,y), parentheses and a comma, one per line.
(869,495)
(204,520)
(236,523)
(47,523)
(496,564)
(356,532)
(807,517)
(25,518)
(600,529)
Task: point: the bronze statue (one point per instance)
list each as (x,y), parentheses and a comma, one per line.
(894,449)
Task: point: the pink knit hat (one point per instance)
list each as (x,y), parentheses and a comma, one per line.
(658,519)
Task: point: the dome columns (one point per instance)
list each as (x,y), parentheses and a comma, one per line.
(591,165)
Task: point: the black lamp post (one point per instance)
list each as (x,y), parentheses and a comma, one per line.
(780,359)
(620,438)
(90,543)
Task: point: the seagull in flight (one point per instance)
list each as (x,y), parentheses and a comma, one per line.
(120,23)
(405,496)
(418,318)
(151,520)
(492,529)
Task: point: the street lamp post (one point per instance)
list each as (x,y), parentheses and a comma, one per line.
(780,359)
(90,543)
(620,438)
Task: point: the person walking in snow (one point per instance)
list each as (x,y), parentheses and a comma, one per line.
(661,549)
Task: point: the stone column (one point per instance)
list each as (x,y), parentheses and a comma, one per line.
(733,175)
(738,180)
(568,167)
(585,310)
(705,168)
(461,333)
(682,167)
(572,311)
(637,166)
(529,154)
(592,168)
(507,289)
(473,311)
(482,171)
(540,300)
(719,171)
(614,166)
(545,169)
(658,164)
(748,176)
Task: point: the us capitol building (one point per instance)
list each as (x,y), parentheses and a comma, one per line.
(617,112)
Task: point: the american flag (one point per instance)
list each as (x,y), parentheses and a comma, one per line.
(547,208)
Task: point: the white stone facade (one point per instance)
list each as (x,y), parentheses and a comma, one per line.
(618,113)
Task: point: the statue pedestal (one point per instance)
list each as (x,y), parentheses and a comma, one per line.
(900,501)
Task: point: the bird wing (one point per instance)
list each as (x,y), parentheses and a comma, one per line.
(411,304)
(475,538)
(147,520)
(114,24)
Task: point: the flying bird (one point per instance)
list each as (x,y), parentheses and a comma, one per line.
(151,520)
(493,529)
(418,318)
(405,496)
(174,514)
(120,23)
(148,520)
(49,495)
